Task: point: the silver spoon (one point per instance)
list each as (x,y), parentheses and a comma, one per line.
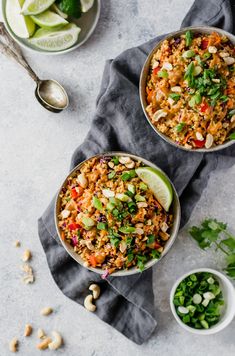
(50,94)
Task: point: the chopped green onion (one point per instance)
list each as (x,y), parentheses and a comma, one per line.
(111,175)
(115,160)
(162,74)
(110,206)
(188,54)
(139,198)
(88,222)
(188,38)
(127,229)
(143,186)
(102,226)
(206,55)
(97,203)
(131,188)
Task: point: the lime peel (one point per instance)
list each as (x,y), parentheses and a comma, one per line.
(158,184)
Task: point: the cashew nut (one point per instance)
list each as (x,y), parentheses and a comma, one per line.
(88,303)
(57,342)
(95,290)
(46,311)
(13,345)
(44,344)
(40,333)
(28,330)
(26,256)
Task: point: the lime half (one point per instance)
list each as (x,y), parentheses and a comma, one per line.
(21,25)
(56,40)
(86,5)
(158,184)
(34,7)
(49,20)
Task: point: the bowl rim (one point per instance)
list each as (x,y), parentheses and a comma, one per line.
(133,270)
(143,79)
(221,324)
(51,53)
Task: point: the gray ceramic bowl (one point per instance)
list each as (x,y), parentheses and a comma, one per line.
(87,23)
(173,232)
(144,77)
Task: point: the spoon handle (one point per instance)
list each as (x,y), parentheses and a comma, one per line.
(12,50)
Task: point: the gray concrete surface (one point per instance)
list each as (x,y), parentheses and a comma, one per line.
(35,151)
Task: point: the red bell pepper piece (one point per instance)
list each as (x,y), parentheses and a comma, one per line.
(204,107)
(73,226)
(156,70)
(199,144)
(204,44)
(157,245)
(74,193)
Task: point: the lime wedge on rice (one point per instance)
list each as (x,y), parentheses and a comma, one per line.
(49,20)
(56,40)
(86,5)
(34,7)
(21,25)
(158,184)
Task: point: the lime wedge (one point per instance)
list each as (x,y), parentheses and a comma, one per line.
(34,7)
(56,40)
(158,184)
(49,20)
(86,5)
(55,8)
(21,25)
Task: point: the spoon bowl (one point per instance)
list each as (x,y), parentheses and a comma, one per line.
(51,95)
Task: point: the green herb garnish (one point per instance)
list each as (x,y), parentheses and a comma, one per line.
(141,260)
(215,233)
(232,136)
(180,127)
(175,96)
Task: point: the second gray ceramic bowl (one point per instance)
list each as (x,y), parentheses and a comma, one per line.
(173,233)
(144,78)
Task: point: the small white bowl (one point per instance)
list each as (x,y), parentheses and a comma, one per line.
(87,22)
(228,311)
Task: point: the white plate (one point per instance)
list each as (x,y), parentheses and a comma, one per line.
(87,23)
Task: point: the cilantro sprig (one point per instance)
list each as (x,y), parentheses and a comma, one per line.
(215,233)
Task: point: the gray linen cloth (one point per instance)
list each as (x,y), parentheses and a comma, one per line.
(126,303)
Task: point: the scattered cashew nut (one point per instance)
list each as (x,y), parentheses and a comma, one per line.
(46,311)
(40,333)
(44,344)
(95,290)
(13,345)
(88,303)
(57,342)
(26,256)
(28,330)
